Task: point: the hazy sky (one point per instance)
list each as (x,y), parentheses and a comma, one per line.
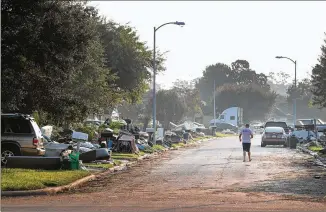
(223,32)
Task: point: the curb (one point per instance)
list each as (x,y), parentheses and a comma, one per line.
(79,182)
(314,154)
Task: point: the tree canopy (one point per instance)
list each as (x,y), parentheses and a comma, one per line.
(170,108)
(239,73)
(228,80)
(319,79)
(62,58)
(256,102)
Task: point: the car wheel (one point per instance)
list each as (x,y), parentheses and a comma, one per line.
(262,144)
(8,151)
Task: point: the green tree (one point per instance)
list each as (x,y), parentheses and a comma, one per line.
(46,47)
(170,108)
(319,79)
(189,94)
(219,72)
(128,58)
(304,95)
(238,74)
(64,60)
(255,101)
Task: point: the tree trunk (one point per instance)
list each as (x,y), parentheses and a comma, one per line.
(146,122)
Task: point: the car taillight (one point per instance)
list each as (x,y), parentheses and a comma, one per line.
(35,141)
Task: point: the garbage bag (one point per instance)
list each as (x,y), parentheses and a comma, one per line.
(84,149)
(87,145)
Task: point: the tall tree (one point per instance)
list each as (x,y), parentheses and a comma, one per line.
(255,101)
(189,94)
(170,108)
(129,58)
(219,72)
(62,58)
(45,47)
(238,74)
(305,108)
(319,79)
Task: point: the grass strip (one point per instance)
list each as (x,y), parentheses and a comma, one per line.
(315,148)
(28,179)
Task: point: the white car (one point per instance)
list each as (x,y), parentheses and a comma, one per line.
(274,136)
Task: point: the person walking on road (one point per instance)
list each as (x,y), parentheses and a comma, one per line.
(245,137)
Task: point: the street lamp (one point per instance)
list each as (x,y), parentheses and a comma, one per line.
(154,74)
(295,88)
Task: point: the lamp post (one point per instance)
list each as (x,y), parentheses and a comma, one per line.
(154,74)
(295,88)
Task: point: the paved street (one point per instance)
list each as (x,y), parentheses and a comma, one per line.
(210,177)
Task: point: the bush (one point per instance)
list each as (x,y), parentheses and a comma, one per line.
(116,125)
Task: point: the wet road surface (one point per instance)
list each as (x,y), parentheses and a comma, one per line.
(210,177)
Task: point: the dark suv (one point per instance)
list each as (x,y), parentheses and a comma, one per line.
(278,124)
(20,135)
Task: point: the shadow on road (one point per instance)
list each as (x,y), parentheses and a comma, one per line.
(310,183)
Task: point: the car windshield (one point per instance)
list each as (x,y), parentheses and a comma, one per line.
(274,129)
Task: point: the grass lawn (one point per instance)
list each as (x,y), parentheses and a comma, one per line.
(126,156)
(158,148)
(178,145)
(104,165)
(27,179)
(315,148)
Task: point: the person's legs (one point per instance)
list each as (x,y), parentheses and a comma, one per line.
(244,151)
(249,153)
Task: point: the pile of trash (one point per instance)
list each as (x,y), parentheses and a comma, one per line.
(73,148)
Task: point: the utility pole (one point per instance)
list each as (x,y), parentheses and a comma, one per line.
(295,95)
(295,88)
(214,105)
(154,87)
(154,74)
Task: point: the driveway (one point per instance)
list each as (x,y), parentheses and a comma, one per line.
(210,177)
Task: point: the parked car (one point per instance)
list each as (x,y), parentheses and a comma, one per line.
(278,124)
(274,136)
(225,126)
(20,136)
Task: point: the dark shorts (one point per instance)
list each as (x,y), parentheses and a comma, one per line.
(246,147)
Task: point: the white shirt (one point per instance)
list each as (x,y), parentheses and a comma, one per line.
(246,135)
